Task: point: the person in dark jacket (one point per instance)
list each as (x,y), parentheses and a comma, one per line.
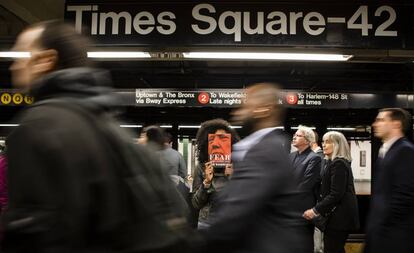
(318,236)
(390,226)
(207,184)
(65,192)
(338,199)
(175,163)
(260,210)
(306,163)
(172,160)
(307,167)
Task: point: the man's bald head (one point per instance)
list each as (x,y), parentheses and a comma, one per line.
(266,93)
(261,107)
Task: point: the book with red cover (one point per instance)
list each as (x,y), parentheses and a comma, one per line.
(219,149)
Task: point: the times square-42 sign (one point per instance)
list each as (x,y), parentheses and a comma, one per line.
(232,23)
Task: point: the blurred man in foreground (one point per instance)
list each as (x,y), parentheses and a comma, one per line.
(54,155)
(68,159)
(260,210)
(390,226)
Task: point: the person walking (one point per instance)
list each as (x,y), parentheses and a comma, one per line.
(260,209)
(72,174)
(390,226)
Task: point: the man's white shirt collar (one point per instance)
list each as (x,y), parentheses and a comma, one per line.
(387,145)
(242,147)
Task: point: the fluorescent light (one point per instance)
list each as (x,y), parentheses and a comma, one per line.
(131,126)
(267,56)
(296,128)
(14,54)
(9,125)
(139,126)
(128,55)
(188,127)
(200,126)
(341,128)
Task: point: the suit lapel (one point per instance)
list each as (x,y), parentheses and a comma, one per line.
(382,168)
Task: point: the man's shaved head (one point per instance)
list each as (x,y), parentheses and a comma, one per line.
(261,107)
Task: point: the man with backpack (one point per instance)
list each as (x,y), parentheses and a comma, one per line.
(76,181)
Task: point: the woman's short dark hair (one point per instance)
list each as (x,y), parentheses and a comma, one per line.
(155,135)
(210,127)
(71,46)
(167,137)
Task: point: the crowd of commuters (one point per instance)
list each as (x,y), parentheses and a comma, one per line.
(66,187)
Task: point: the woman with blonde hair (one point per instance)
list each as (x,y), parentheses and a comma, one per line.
(337,204)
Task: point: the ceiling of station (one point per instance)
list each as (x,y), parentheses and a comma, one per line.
(33,11)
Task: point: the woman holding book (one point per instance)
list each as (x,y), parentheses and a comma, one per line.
(214,140)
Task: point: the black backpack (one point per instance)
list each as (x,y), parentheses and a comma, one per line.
(156,212)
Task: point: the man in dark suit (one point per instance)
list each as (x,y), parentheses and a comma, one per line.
(391,221)
(307,167)
(260,208)
(306,163)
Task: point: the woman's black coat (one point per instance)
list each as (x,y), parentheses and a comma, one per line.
(338,191)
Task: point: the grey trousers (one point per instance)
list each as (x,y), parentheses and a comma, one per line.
(318,241)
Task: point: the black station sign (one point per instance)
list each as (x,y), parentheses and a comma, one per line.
(230,98)
(157,24)
(289,98)
(213,98)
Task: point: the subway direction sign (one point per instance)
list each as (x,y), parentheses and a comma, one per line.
(14,98)
(292,99)
(219,98)
(347,24)
(231,98)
